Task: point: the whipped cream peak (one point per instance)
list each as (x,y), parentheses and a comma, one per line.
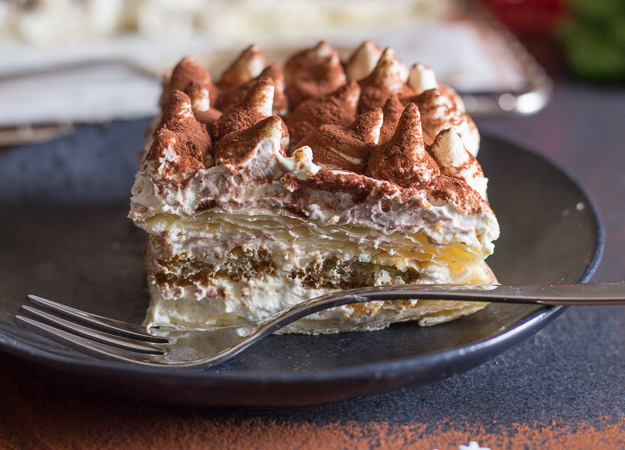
(181,145)
(386,143)
(313,73)
(187,70)
(363,61)
(439,111)
(367,126)
(280,101)
(200,103)
(257,105)
(387,79)
(178,110)
(260,98)
(336,108)
(348,94)
(455,161)
(232,97)
(274,72)
(322,51)
(200,99)
(421,78)
(345,148)
(391,111)
(248,65)
(387,73)
(404,72)
(403,160)
(238,148)
(454,96)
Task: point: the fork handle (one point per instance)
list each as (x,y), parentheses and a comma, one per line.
(603,293)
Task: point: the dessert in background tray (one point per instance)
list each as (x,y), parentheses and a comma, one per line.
(90,82)
(65,21)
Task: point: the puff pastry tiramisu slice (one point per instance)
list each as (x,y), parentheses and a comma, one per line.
(241,224)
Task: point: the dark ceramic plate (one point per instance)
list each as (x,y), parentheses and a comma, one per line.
(64,235)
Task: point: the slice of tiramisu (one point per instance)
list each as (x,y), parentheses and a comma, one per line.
(243,223)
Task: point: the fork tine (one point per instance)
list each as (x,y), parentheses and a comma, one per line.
(89,333)
(104,324)
(93,348)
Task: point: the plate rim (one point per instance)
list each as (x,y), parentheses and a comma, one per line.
(494,344)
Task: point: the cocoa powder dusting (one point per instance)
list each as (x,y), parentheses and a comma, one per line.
(344,148)
(208,118)
(296,211)
(372,97)
(358,186)
(180,133)
(438,111)
(336,108)
(432,100)
(457,190)
(328,124)
(234,120)
(312,73)
(257,96)
(357,67)
(392,112)
(232,97)
(280,100)
(33,417)
(238,72)
(366,125)
(238,147)
(193,90)
(337,147)
(384,82)
(246,113)
(403,159)
(188,70)
(454,170)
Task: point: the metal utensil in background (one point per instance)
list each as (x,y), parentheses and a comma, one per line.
(31,133)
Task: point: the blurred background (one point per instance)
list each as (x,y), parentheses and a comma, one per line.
(69,62)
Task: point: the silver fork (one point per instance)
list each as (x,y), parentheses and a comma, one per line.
(114,340)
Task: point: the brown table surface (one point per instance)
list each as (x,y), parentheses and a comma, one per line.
(559,389)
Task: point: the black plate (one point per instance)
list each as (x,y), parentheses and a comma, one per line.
(64,235)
